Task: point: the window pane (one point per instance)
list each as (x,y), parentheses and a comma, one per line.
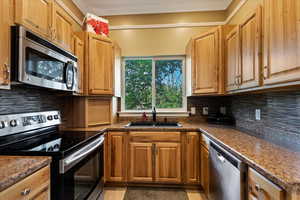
(138,87)
(168,83)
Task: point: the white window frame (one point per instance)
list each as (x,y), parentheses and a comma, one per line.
(159,110)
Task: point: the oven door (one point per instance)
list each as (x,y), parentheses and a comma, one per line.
(43,64)
(82,173)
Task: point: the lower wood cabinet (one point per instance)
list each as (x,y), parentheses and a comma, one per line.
(33,187)
(192,158)
(204,159)
(262,189)
(153,157)
(115,150)
(141,162)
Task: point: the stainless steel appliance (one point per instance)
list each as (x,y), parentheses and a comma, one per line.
(227,175)
(38,62)
(77,157)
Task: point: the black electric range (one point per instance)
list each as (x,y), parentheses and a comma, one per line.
(77,156)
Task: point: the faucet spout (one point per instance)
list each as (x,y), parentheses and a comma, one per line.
(154,114)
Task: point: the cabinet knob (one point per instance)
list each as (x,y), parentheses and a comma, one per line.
(26,192)
(266,72)
(6,74)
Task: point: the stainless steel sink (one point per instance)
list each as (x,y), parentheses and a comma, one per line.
(153,124)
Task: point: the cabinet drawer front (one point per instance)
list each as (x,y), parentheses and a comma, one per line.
(29,187)
(154,136)
(260,186)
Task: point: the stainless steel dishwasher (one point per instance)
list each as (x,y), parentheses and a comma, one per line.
(227,175)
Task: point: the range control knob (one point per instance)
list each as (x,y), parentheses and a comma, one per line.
(3,124)
(50,117)
(56,117)
(14,123)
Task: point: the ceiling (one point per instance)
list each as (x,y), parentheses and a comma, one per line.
(125,7)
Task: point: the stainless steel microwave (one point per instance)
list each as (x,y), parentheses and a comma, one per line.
(36,61)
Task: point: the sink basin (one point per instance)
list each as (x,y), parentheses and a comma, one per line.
(153,124)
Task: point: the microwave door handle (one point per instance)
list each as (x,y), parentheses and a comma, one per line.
(83,152)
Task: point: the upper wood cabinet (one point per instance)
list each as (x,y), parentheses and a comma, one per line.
(192,157)
(281,41)
(168,162)
(5,22)
(232,60)
(99,62)
(261,188)
(78,50)
(141,162)
(251,50)
(207,63)
(243,53)
(62,31)
(115,165)
(36,15)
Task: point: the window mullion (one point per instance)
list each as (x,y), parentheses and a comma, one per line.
(153,84)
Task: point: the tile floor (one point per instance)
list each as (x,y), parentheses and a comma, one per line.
(118,194)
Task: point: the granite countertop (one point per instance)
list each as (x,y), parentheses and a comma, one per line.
(278,164)
(15,168)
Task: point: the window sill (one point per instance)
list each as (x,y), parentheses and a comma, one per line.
(159,113)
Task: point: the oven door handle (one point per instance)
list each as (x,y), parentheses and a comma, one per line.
(73,159)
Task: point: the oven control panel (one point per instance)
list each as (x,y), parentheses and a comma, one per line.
(11,124)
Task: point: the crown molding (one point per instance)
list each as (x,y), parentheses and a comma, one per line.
(181,25)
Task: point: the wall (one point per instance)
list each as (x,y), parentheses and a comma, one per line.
(24,99)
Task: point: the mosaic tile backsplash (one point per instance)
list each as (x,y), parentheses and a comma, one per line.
(24,99)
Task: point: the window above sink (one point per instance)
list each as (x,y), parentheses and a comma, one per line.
(153,82)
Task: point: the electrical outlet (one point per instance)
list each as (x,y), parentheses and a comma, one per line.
(193,110)
(257,114)
(205,110)
(223,110)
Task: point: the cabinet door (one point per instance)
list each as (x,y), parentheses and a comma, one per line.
(36,15)
(250,34)
(205,70)
(168,162)
(205,169)
(62,28)
(100,66)
(281,41)
(5,15)
(116,157)
(262,189)
(141,162)
(232,46)
(79,52)
(192,158)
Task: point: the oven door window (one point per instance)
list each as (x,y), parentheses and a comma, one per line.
(88,175)
(43,66)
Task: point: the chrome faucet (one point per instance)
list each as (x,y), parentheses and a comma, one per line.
(154,114)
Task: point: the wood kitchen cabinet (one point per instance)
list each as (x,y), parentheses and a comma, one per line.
(155,157)
(243,53)
(259,188)
(250,32)
(141,162)
(281,62)
(62,27)
(34,187)
(78,49)
(116,156)
(232,57)
(36,15)
(88,112)
(168,162)
(5,22)
(204,159)
(208,77)
(192,158)
(99,65)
